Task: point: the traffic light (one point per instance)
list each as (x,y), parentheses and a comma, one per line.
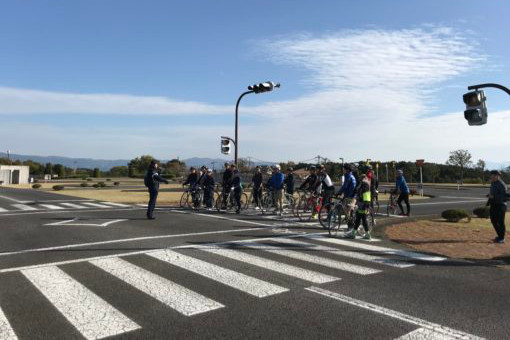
(225,145)
(263,87)
(476,109)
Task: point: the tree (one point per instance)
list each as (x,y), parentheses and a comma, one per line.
(460,158)
(141,164)
(119,171)
(59,170)
(430,172)
(97,173)
(481,165)
(48,169)
(175,167)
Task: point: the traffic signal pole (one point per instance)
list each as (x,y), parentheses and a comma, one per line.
(497,86)
(237,125)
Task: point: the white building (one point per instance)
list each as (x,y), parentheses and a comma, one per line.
(14,174)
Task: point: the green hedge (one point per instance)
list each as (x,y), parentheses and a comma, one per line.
(455,215)
(84,185)
(482,212)
(58,187)
(36,186)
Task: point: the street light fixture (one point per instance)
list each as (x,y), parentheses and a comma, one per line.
(256,88)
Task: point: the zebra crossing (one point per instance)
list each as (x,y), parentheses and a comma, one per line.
(59,206)
(296,260)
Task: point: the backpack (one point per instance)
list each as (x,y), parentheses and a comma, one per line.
(146,179)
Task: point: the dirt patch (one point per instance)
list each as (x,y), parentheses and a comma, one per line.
(464,240)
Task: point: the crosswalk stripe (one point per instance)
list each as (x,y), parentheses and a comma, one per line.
(346,253)
(426,334)
(95,205)
(2,210)
(93,317)
(171,294)
(72,205)
(379,249)
(51,206)
(120,205)
(225,276)
(24,207)
(282,268)
(6,331)
(303,256)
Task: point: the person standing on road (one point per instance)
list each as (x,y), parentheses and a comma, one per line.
(364,200)
(227,183)
(208,184)
(237,185)
(497,202)
(151,181)
(277,180)
(289,181)
(257,187)
(403,189)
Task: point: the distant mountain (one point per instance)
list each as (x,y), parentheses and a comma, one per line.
(87,163)
(496,165)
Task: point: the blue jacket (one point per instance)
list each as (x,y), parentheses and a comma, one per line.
(277,180)
(349,186)
(402,185)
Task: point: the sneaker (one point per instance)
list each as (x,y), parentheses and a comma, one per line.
(257,208)
(350,234)
(314,217)
(367,236)
(499,240)
(238,211)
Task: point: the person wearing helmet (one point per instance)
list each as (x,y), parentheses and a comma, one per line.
(226,183)
(276,185)
(208,184)
(192,179)
(348,189)
(374,184)
(325,187)
(403,189)
(364,200)
(237,185)
(310,181)
(256,181)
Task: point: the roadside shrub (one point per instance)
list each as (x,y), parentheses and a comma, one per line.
(84,185)
(96,185)
(89,179)
(101,184)
(84,178)
(455,215)
(36,186)
(58,187)
(116,183)
(170,176)
(482,212)
(108,179)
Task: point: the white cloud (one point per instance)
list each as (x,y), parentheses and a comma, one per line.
(25,101)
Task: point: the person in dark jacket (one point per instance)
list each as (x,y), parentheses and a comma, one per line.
(152,180)
(310,181)
(208,184)
(238,189)
(403,189)
(192,179)
(497,202)
(228,175)
(364,199)
(289,181)
(257,187)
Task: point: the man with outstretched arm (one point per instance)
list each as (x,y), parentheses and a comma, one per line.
(151,181)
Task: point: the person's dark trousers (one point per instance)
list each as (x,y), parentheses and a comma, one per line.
(257,196)
(226,191)
(208,197)
(326,198)
(361,218)
(237,198)
(497,212)
(153,194)
(404,197)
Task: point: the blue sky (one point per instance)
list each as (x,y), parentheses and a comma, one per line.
(116,79)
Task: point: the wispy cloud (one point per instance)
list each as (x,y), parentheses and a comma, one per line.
(26,101)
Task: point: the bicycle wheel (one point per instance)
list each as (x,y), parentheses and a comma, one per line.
(288,202)
(306,208)
(265,202)
(324,215)
(391,208)
(184,199)
(334,221)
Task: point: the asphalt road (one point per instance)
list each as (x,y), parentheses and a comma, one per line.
(72,268)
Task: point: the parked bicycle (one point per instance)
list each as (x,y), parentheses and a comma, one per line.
(392,206)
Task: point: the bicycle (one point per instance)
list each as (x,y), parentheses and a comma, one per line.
(341,213)
(308,206)
(186,198)
(391,208)
(230,201)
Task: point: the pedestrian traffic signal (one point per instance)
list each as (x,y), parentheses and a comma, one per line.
(263,87)
(225,145)
(476,108)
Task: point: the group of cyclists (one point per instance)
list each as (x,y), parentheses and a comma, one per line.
(359,189)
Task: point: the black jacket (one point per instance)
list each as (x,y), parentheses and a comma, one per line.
(309,182)
(227,177)
(257,180)
(208,182)
(152,178)
(498,191)
(192,179)
(289,182)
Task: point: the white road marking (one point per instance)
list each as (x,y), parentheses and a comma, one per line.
(346,253)
(51,206)
(307,257)
(72,205)
(24,207)
(454,202)
(425,334)
(3,210)
(95,205)
(134,239)
(436,328)
(120,205)
(6,331)
(10,199)
(93,317)
(464,198)
(75,222)
(282,268)
(171,294)
(45,212)
(225,276)
(378,249)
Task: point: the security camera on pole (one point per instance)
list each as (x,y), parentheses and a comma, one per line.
(256,88)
